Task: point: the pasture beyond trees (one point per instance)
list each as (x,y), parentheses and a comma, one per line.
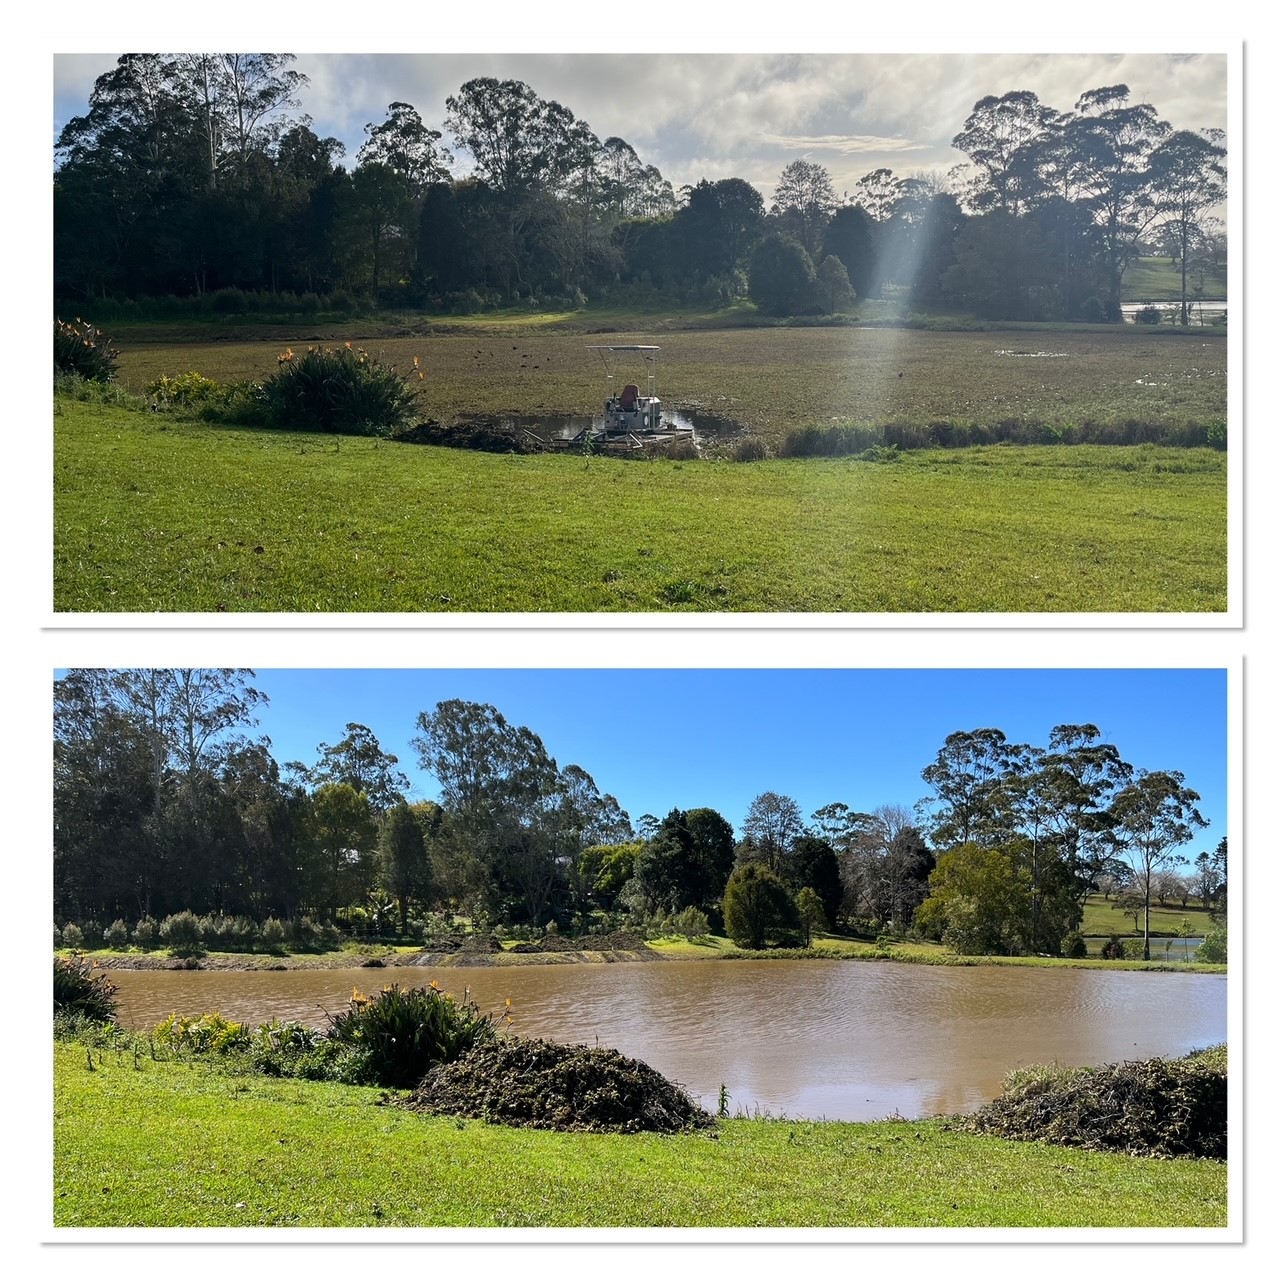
(157,513)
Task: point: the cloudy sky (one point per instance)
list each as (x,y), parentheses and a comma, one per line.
(747,115)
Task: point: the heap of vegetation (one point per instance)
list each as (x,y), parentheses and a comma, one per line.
(81,992)
(1156,1107)
(84,350)
(538,1084)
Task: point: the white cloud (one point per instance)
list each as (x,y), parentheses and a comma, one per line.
(742,114)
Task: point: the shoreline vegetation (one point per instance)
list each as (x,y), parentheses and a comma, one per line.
(371,956)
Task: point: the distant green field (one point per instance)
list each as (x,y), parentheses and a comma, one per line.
(1102,917)
(157,514)
(1159,280)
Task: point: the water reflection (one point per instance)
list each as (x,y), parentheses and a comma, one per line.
(840,1040)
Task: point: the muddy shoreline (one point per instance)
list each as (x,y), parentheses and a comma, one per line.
(377,960)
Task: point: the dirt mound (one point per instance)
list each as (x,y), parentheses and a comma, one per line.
(618,940)
(1156,1107)
(537,1084)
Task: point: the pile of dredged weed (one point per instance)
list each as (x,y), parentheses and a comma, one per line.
(1157,1107)
(537,1084)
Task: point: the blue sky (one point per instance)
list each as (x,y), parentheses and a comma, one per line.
(658,739)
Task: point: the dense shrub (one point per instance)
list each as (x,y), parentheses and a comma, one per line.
(1074,946)
(272,935)
(84,350)
(93,933)
(1113,948)
(407,1030)
(304,933)
(80,991)
(537,1084)
(117,935)
(146,933)
(748,449)
(758,908)
(1148,315)
(691,923)
(207,1033)
(72,936)
(1156,1107)
(182,933)
(1213,950)
(339,389)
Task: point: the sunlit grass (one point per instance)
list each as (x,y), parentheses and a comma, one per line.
(149,1144)
(157,514)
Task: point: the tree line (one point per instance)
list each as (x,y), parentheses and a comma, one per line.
(166,802)
(195,175)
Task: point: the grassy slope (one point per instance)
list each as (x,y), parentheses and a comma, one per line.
(1102,917)
(157,515)
(172,1145)
(1155,280)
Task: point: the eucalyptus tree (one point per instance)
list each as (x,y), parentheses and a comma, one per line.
(773,824)
(1153,817)
(1189,175)
(403,143)
(803,202)
(971,803)
(1113,141)
(403,866)
(1000,138)
(358,758)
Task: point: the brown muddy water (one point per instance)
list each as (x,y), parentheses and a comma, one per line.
(835,1040)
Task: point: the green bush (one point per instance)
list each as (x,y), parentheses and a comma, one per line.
(1113,948)
(72,936)
(1213,950)
(117,935)
(1148,315)
(758,908)
(406,1031)
(80,991)
(207,1033)
(1074,946)
(182,933)
(339,389)
(272,935)
(84,350)
(146,933)
(691,923)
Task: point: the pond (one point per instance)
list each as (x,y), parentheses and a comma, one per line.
(838,1040)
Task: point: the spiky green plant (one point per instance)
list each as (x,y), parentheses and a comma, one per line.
(340,389)
(405,1031)
(79,990)
(83,349)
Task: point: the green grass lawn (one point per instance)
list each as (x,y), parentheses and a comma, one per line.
(157,1144)
(157,514)
(1159,280)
